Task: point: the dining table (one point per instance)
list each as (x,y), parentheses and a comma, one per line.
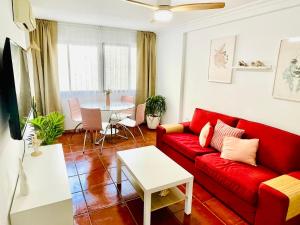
(114,107)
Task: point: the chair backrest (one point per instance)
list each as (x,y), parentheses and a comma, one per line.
(91,119)
(74,106)
(127,98)
(140,114)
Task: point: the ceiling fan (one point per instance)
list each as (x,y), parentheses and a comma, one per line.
(163,10)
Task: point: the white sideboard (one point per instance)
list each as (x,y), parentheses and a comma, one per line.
(49,201)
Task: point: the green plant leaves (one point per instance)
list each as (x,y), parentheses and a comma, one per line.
(49,127)
(156,106)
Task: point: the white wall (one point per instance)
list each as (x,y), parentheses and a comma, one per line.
(169,71)
(250,94)
(10,150)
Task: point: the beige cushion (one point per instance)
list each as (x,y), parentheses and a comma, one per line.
(241,150)
(206,135)
(173,128)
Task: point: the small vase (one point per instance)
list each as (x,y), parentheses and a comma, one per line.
(107,102)
(24,189)
(36,152)
(35,145)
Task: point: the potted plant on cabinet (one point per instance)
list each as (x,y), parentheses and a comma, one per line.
(49,127)
(155,108)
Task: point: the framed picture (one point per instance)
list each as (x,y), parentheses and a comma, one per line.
(221,59)
(287,77)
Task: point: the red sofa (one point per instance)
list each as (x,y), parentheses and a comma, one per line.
(239,186)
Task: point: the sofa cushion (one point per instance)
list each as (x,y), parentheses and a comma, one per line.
(206,135)
(221,131)
(240,150)
(186,143)
(239,178)
(278,150)
(201,117)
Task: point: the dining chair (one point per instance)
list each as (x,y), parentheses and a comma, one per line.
(92,121)
(127,98)
(124,113)
(75,112)
(139,119)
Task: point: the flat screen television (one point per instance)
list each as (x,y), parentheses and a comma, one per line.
(16,87)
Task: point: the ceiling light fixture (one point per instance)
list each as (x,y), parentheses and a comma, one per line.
(162,15)
(163,9)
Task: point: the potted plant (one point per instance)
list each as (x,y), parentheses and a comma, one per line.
(155,108)
(49,127)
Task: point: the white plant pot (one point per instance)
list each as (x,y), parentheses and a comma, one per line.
(152,122)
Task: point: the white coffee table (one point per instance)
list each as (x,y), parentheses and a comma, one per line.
(151,171)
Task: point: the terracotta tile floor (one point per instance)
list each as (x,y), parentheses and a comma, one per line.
(98,201)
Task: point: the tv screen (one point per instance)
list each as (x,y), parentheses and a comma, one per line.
(15,79)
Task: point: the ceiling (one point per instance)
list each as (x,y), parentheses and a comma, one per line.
(118,13)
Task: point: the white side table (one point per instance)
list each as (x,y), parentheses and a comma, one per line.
(151,171)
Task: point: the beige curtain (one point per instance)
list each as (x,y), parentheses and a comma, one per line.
(146,65)
(44,56)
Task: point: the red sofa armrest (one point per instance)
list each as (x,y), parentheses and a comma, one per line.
(161,131)
(279,200)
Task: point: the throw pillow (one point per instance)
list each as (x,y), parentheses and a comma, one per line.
(222,130)
(241,150)
(206,135)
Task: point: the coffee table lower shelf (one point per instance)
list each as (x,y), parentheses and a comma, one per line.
(158,202)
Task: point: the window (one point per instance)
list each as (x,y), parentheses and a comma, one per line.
(84,68)
(96,68)
(119,67)
(63,68)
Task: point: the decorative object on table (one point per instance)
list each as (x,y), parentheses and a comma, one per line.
(155,108)
(257,63)
(243,63)
(287,78)
(164,193)
(107,96)
(35,143)
(24,189)
(221,59)
(49,127)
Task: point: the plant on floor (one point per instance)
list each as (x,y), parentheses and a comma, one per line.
(155,108)
(49,127)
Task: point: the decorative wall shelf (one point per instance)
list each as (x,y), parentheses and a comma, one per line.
(253,68)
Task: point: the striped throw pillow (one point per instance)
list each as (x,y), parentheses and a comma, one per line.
(223,130)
